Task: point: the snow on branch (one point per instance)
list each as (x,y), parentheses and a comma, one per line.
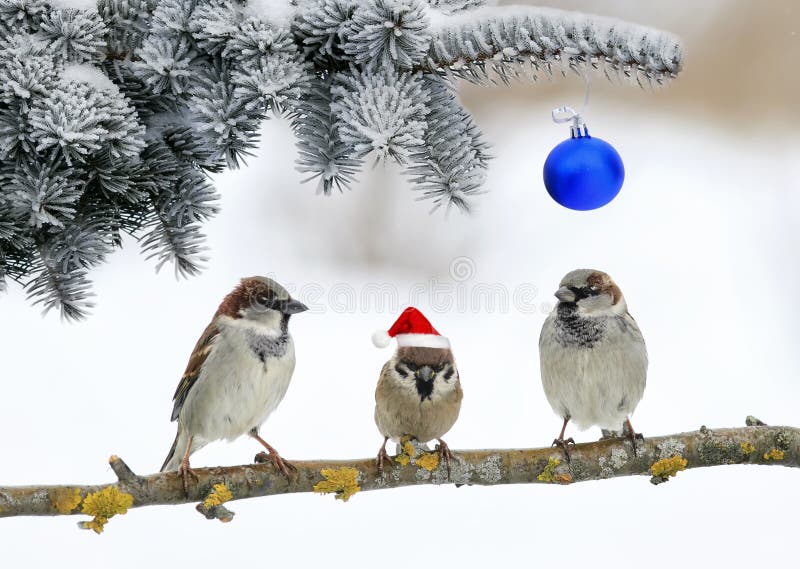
(496,39)
(659,458)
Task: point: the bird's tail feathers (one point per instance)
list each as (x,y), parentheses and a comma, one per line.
(175,455)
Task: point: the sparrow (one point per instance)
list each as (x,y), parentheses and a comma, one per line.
(419,391)
(593,356)
(237,374)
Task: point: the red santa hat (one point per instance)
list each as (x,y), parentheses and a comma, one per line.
(411,329)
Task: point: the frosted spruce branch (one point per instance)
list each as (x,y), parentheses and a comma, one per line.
(657,457)
(112,119)
(528,42)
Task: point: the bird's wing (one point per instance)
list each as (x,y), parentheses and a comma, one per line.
(634,327)
(199,355)
(638,350)
(547,327)
(382,380)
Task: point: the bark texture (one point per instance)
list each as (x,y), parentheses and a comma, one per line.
(656,457)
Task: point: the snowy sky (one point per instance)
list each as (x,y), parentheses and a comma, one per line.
(702,240)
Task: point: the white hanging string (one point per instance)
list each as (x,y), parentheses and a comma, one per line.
(566,114)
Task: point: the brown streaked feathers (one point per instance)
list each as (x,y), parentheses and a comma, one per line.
(199,355)
(603,282)
(244,293)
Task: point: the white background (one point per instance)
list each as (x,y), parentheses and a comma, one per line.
(702,240)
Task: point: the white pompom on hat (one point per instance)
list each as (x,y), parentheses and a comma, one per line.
(381,338)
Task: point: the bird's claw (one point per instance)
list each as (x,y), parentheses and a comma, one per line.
(186,472)
(446,454)
(382,457)
(630,434)
(283,466)
(563,444)
(633,437)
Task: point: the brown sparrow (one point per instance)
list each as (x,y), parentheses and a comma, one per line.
(419,391)
(237,374)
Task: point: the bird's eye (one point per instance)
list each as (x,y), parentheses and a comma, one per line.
(262,299)
(449,373)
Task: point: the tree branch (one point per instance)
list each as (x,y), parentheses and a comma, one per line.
(658,457)
(500,38)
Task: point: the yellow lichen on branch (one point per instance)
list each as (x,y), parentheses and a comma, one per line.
(748,448)
(212,507)
(64,500)
(429,461)
(549,473)
(407,452)
(219,495)
(666,467)
(774,454)
(103,505)
(341,481)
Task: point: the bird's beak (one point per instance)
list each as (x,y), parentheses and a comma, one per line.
(426,373)
(294,306)
(565,295)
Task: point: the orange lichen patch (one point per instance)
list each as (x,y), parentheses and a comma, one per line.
(667,467)
(774,454)
(103,505)
(341,481)
(64,500)
(429,461)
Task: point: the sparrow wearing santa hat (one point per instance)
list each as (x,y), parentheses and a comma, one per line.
(419,391)
(237,374)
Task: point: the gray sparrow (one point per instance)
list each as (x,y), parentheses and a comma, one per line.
(592,355)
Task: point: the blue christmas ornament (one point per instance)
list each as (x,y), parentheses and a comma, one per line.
(583,172)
